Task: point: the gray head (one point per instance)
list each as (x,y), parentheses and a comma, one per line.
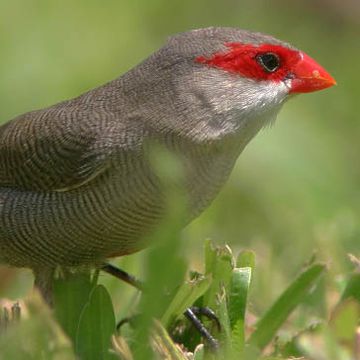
(222,80)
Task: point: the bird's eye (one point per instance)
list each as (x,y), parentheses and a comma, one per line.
(269,61)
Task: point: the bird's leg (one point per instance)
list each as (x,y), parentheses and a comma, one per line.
(199,326)
(44,278)
(122,275)
(190,313)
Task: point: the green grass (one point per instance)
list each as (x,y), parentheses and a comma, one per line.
(293,192)
(83,322)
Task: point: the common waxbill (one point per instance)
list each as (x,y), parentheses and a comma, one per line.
(76,181)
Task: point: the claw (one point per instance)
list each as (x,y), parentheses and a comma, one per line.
(209,313)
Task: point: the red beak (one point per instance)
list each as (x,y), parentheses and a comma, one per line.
(310,76)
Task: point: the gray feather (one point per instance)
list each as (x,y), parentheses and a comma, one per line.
(76,183)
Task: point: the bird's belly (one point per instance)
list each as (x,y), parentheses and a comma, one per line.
(110,217)
(75,228)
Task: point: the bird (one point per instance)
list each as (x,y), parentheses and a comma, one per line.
(77,184)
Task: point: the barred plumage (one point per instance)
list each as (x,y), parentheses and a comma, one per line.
(77,183)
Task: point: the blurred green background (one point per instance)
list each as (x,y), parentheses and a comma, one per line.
(295,189)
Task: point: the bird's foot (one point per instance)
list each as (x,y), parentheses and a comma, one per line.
(190,313)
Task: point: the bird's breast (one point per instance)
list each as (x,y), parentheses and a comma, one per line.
(111,215)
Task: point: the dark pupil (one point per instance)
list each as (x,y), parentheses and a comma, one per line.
(269,61)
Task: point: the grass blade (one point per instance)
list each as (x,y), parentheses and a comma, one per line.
(219,264)
(199,352)
(225,334)
(239,288)
(185,297)
(284,305)
(70,296)
(164,345)
(246,258)
(352,289)
(96,326)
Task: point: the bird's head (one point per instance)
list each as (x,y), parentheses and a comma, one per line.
(229,78)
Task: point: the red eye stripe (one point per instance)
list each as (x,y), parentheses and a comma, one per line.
(242,59)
